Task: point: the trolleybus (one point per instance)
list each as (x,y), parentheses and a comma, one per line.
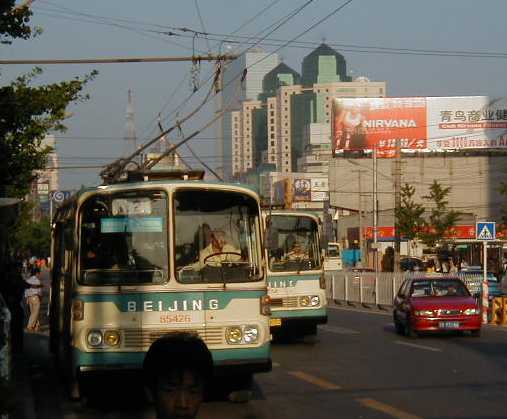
(134,261)
(296,282)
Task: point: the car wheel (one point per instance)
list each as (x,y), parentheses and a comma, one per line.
(475,333)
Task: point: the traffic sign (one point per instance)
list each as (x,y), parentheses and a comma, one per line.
(485,230)
(59,196)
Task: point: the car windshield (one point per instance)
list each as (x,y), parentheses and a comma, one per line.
(438,288)
(216,237)
(293,243)
(123,238)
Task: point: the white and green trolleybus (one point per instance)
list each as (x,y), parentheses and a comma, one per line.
(296,282)
(137,260)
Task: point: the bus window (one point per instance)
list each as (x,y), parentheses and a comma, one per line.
(123,239)
(293,244)
(216,237)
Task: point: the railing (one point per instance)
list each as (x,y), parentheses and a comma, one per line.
(364,287)
(381,288)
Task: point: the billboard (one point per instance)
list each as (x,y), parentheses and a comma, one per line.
(419,123)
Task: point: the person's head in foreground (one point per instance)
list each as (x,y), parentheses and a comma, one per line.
(176,368)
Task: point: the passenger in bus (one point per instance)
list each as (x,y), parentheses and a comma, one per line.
(176,370)
(217,251)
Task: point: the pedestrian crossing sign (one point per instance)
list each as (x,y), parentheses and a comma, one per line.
(485,230)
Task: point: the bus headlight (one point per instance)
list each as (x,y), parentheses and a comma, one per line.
(250,334)
(233,335)
(304,301)
(111,337)
(314,300)
(94,338)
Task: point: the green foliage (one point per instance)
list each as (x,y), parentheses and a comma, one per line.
(440,219)
(28,113)
(503,191)
(14,22)
(409,217)
(30,237)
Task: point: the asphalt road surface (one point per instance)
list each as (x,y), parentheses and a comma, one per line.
(357,367)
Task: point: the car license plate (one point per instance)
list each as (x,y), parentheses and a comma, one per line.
(275,322)
(448,325)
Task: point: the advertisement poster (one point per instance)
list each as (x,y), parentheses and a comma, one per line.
(419,123)
(365,123)
(302,190)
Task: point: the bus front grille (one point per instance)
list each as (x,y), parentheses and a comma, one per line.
(143,338)
(288,302)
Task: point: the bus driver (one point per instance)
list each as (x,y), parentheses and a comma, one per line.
(217,251)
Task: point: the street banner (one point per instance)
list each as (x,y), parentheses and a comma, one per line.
(419,123)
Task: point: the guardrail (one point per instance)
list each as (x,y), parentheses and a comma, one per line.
(380,289)
(364,287)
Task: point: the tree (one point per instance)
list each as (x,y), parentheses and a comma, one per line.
(32,237)
(28,113)
(441,219)
(409,216)
(503,191)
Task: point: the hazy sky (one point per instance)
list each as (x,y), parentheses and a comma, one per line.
(96,128)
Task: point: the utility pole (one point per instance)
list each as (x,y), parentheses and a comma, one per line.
(360,209)
(397,204)
(375,211)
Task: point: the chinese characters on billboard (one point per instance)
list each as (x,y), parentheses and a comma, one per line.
(419,123)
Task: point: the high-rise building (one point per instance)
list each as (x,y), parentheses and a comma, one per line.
(257,64)
(297,113)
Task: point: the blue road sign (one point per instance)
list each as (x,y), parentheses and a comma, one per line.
(485,230)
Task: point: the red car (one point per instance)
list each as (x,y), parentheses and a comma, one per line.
(431,303)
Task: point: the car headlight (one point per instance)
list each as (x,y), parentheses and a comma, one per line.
(94,338)
(250,334)
(314,300)
(424,313)
(304,301)
(112,337)
(471,311)
(233,335)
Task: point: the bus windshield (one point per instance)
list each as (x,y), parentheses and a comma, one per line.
(216,237)
(333,250)
(123,239)
(293,243)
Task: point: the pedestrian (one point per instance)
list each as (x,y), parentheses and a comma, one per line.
(33,297)
(176,369)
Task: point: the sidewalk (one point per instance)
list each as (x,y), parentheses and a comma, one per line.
(24,403)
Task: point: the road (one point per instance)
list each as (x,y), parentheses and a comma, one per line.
(357,367)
